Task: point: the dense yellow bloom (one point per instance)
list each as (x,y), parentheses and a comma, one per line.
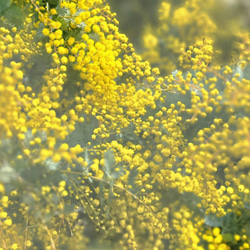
(100,130)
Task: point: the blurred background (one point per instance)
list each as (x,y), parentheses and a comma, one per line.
(162,30)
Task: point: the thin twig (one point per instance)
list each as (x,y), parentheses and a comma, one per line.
(51,240)
(121,188)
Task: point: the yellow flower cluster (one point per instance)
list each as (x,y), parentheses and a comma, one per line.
(184,27)
(11,80)
(187,231)
(215,240)
(147,144)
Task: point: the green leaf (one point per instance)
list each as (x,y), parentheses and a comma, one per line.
(40,63)
(68,208)
(109,162)
(133,173)
(246,72)
(62,11)
(29,200)
(14,15)
(118,171)
(83,131)
(86,157)
(55,199)
(229,238)
(112,169)
(64,24)
(7,173)
(53,2)
(4,4)
(212,220)
(33,174)
(238,70)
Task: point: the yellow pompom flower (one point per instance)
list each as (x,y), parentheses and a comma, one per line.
(45,31)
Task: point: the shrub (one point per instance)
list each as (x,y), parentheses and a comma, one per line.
(100,150)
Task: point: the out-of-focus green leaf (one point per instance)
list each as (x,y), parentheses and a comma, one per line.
(4,4)
(55,199)
(53,2)
(7,173)
(68,208)
(29,200)
(109,162)
(213,221)
(246,72)
(14,15)
(112,169)
(229,238)
(82,133)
